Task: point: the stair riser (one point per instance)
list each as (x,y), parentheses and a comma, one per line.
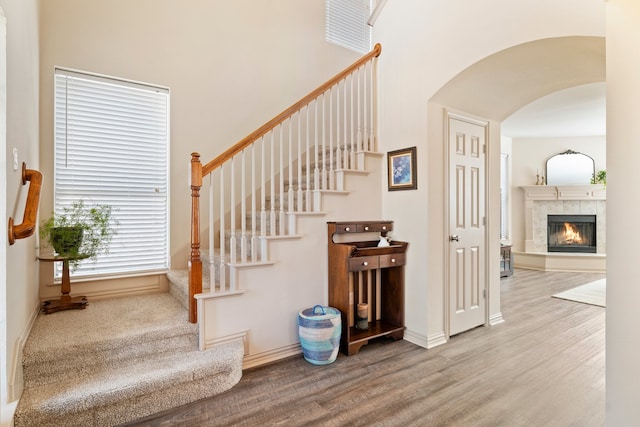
(86,361)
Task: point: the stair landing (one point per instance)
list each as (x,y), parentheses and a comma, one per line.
(119,360)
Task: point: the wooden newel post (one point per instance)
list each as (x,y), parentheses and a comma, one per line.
(195,263)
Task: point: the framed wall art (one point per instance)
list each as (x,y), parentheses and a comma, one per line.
(401,169)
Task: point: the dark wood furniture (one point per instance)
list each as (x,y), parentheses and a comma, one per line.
(506,261)
(362,272)
(66,301)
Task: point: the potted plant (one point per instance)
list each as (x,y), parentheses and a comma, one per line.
(80,231)
(600,178)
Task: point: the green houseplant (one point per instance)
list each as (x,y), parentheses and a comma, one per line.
(600,177)
(80,231)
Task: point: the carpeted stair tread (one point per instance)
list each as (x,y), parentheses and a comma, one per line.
(118,322)
(100,390)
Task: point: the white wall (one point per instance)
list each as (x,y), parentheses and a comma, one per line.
(21,133)
(623,209)
(230,65)
(426,44)
(530,156)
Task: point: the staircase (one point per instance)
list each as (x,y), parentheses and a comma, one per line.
(260,210)
(119,360)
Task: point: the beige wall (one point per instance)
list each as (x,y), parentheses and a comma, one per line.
(623,209)
(20,266)
(230,66)
(425,45)
(530,155)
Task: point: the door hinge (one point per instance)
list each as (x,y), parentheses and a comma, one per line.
(484,148)
(484,220)
(484,293)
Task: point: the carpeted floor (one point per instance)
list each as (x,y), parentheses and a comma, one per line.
(594,293)
(119,360)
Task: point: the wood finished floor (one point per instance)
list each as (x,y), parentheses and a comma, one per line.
(545,366)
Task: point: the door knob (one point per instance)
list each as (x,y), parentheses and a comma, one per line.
(454,238)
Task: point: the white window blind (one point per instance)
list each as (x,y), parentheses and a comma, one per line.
(346,24)
(111,147)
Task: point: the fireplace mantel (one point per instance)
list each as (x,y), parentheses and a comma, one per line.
(541,200)
(565,192)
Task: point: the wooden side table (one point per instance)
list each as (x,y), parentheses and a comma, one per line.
(66,301)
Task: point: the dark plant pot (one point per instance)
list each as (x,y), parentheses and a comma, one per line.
(66,241)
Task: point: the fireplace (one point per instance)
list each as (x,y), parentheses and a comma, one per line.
(571,233)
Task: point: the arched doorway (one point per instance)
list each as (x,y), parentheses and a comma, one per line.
(494,88)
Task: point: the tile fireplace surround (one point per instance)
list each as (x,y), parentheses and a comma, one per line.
(543,200)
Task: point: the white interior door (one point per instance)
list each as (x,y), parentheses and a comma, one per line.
(467,223)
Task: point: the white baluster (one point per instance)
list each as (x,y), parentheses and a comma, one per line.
(316,148)
(281,173)
(308,164)
(253,216)
(290,207)
(300,206)
(359,110)
(232,209)
(272,218)
(331,165)
(365,110)
(243,209)
(222,263)
(210,258)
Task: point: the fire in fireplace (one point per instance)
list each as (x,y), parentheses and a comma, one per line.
(571,233)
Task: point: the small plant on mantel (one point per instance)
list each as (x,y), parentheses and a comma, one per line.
(600,178)
(80,231)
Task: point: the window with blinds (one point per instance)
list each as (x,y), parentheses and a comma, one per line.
(346,24)
(111,147)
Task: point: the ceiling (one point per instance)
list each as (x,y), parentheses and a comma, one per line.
(577,111)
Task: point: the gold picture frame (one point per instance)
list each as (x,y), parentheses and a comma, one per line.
(402,170)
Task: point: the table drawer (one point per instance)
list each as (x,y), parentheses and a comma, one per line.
(346,228)
(391,260)
(363,263)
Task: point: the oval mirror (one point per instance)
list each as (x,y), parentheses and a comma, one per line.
(570,168)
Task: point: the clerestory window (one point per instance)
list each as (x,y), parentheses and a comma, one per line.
(346,24)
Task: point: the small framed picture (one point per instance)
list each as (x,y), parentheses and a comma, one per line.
(401,168)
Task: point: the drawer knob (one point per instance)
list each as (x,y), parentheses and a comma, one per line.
(365,263)
(384,227)
(393,260)
(347,229)
(366,228)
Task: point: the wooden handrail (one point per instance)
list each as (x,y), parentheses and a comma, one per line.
(280,118)
(28,225)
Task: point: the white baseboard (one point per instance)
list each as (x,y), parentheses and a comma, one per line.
(416,338)
(436,339)
(240,336)
(271,356)
(496,319)
(16,383)
(7,411)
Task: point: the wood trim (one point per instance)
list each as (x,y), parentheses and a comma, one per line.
(28,225)
(195,263)
(280,118)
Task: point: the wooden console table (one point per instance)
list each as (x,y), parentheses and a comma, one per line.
(66,301)
(362,272)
